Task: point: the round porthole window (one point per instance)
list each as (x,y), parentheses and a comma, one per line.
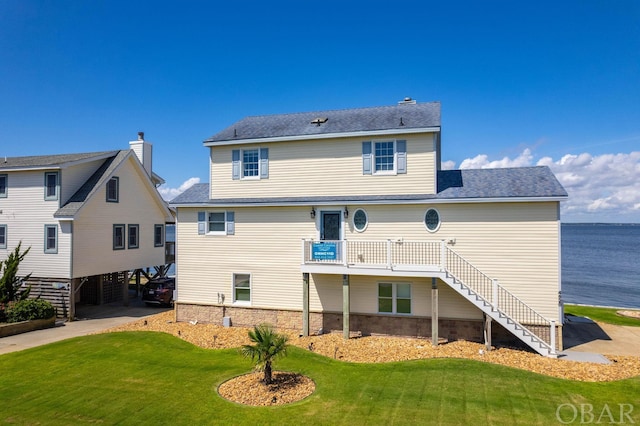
(432,220)
(360,220)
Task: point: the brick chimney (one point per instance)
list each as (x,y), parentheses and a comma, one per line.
(143,150)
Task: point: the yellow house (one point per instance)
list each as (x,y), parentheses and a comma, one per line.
(343,220)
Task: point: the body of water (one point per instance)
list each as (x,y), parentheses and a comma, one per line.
(601,264)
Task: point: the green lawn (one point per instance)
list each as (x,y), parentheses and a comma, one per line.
(607,315)
(154,378)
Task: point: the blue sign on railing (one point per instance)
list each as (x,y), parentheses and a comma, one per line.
(324,251)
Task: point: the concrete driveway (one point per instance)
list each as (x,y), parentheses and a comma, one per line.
(581,334)
(90,319)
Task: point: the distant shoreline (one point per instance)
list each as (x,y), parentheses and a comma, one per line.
(602,306)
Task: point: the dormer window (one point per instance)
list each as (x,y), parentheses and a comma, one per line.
(113,190)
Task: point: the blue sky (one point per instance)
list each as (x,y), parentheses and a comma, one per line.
(521,83)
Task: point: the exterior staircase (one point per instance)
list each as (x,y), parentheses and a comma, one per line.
(506,309)
(435,259)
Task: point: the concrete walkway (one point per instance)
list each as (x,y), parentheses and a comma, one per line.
(90,319)
(584,335)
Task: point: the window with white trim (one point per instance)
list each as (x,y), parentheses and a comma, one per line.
(250,163)
(4,182)
(3,236)
(113,190)
(133,236)
(51,238)
(360,220)
(216,223)
(118,237)
(242,288)
(51,186)
(384,157)
(394,298)
(432,220)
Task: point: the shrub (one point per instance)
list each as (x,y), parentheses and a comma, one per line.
(29,309)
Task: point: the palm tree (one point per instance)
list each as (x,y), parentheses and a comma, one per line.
(268,346)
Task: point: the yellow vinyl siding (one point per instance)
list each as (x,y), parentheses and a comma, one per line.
(516,243)
(93,227)
(324,168)
(267,244)
(326,295)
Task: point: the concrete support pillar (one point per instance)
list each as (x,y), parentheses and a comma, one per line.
(434,312)
(345,306)
(305,304)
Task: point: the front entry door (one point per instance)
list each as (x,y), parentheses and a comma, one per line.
(330,226)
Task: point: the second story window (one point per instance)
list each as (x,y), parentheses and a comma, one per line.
(113,190)
(158,235)
(118,237)
(384,157)
(134,236)
(4,182)
(51,186)
(216,223)
(250,163)
(50,238)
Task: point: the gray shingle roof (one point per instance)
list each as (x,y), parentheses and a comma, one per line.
(92,184)
(57,160)
(401,117)
(524,182)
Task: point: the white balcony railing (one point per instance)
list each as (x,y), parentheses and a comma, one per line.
(387,254)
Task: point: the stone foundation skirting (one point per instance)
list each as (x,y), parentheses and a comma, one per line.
(328,322)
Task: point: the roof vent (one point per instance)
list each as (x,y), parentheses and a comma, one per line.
(407,100)
(140,136)
(318,121)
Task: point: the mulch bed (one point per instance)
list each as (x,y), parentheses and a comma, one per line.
(249,389)
(290,387)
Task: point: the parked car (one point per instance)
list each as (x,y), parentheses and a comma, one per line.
(159,291)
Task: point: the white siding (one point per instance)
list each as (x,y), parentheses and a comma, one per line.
(73,178)
(93,227)
(25,212)
(323,168)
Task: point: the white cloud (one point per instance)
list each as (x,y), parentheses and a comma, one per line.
(482,161)
(170,193)
(602,188)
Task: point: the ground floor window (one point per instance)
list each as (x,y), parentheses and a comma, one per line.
(242,288)
(394,298)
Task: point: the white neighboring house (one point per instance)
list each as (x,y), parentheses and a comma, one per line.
(344,220)
(88,219)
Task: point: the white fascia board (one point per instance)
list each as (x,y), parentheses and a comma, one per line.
(363,133)
(368,202)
